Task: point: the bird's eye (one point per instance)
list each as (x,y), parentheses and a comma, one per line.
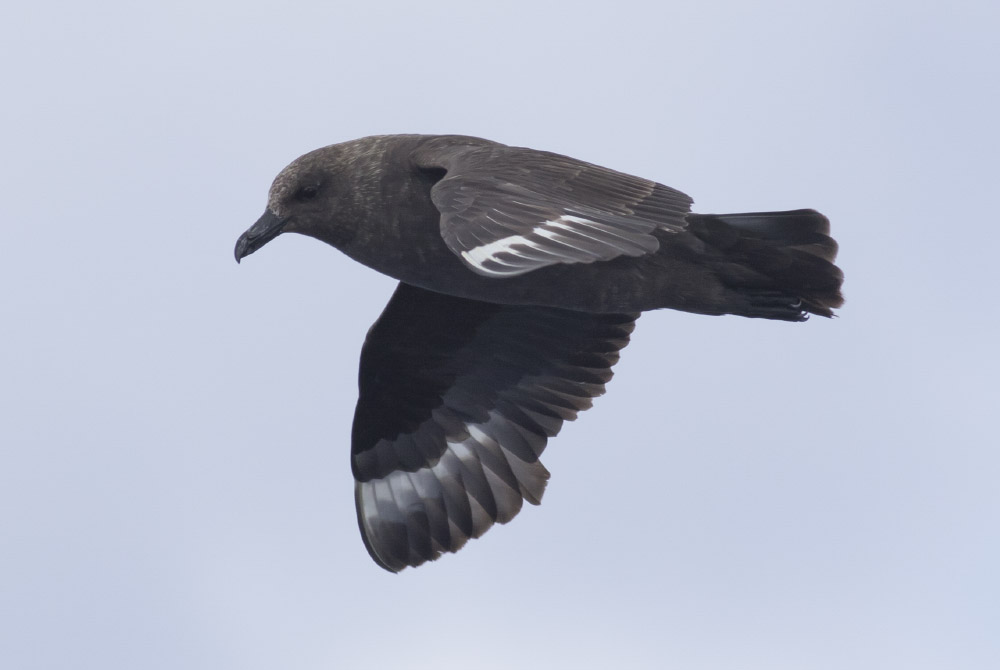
(307,192)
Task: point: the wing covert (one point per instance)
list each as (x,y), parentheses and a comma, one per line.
(509,210)
(457,399)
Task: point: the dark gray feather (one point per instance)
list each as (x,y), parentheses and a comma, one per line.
(506,211)
(457,400)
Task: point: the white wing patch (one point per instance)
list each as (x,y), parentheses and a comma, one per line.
(488,256)
(566,239)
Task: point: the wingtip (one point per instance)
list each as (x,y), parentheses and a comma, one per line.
(366,530)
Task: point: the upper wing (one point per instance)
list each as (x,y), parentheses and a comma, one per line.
(508,210)
(457,400)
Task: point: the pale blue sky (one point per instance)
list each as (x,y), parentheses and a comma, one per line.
(175,489)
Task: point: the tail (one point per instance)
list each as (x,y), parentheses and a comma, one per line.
(780,264)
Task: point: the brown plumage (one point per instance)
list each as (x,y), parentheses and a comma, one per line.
(522,273)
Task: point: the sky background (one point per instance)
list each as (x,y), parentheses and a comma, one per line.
(175,490)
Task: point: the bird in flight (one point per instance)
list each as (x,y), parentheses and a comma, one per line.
(521,274)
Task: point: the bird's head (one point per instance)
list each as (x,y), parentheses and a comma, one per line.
(314,196)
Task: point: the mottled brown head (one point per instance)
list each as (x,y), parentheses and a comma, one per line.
(316,193)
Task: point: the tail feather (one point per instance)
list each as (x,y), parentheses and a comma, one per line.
(782,263)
